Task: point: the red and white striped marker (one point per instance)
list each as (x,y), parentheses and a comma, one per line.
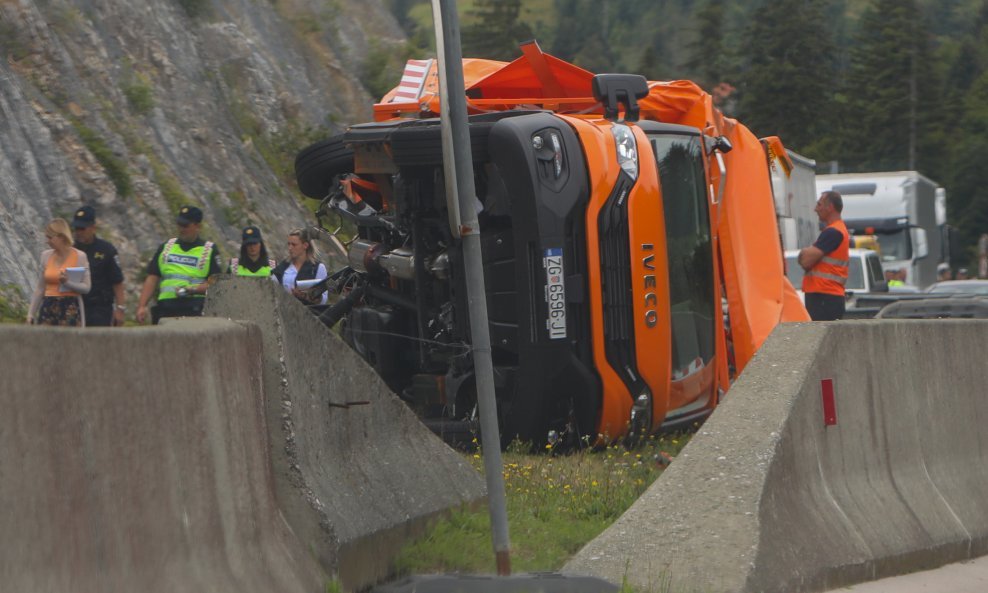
(412,81)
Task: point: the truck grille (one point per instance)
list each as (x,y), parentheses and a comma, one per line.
(615,271)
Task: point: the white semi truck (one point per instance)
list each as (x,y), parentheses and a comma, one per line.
(900,209)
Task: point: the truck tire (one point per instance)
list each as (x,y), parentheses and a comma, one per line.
(416,146)
(317,165)
(421,144)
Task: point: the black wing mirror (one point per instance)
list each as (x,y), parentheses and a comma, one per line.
(612,90)
(719,144)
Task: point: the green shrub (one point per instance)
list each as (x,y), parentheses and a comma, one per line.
(140,97)
(13,42)
(383,67)
(13,306)
(170,188)
(195,8)
(115,167)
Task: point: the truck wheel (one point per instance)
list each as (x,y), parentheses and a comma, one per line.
(415,146)
(318,164)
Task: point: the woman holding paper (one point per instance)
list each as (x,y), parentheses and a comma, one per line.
(64,279)
(301,267)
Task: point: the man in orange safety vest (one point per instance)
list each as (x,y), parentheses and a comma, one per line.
(826,262)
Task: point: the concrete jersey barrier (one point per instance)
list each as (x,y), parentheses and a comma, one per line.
(356,473)
(137,461)
(767,498)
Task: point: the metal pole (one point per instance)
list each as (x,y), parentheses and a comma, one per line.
(460,190)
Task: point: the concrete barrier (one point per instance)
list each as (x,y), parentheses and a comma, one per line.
(357,474)
(767,498)
(138,461)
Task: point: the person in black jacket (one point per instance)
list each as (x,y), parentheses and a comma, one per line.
(301,264)
(105,304)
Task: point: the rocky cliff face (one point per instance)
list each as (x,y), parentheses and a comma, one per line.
(138,106)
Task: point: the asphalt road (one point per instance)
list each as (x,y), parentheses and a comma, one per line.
(963,577)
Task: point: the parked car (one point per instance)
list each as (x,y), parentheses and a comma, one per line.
(865,274)
(959,287)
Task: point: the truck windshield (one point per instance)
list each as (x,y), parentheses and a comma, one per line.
(895,245)
(691,277)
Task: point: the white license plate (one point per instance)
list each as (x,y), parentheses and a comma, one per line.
(555,293)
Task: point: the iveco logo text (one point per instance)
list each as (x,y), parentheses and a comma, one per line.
(651,301)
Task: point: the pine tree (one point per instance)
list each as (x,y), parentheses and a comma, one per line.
(967,192)
(497,30)
(891,117)
(707,60)
(787,82)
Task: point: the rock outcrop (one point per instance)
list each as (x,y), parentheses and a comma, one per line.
(138,106)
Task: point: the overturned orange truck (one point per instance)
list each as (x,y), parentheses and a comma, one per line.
(631,253)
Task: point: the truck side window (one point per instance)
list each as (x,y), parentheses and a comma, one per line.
(875,270)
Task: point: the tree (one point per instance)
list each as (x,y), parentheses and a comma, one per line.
(496,31)
(893,94)
(707,60)
(967,192)
(788,77)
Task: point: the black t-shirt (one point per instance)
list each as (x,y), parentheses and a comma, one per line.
(215,261)
(828,240)
(104,268)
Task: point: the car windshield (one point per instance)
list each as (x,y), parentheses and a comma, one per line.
(964,287)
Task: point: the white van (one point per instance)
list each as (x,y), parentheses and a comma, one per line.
(864,274)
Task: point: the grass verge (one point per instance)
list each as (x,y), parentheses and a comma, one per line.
(555,505)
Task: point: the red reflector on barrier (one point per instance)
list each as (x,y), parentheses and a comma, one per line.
(829,406)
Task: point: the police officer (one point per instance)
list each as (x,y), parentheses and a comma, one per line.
(253,260)
(827,262)
(104,304)
(181,271)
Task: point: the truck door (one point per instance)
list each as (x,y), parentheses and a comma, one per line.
(695,310)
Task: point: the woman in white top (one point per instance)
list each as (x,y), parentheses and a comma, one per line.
(301,265)
(64,278)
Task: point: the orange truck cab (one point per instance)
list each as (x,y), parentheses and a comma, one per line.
(618,218)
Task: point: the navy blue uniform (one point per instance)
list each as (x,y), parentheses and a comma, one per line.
(104,266)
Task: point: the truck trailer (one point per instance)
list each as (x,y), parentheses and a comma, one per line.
(795,201)
(617,216)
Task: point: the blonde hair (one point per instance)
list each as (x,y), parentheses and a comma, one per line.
(59,228)
(305,235)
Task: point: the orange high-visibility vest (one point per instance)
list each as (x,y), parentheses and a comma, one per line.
(829,275)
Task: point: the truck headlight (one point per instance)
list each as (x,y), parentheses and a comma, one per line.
(640,422)
(627,149)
